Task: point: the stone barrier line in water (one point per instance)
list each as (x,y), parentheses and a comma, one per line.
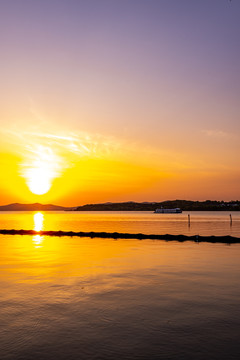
(115,235)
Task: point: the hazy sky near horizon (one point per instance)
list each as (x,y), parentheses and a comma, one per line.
(114,100)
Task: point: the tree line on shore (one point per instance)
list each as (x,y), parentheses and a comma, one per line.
(185,205)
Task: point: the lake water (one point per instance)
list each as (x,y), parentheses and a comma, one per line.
(81,298)
(201,222)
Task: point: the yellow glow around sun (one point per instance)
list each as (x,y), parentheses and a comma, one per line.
(40,170)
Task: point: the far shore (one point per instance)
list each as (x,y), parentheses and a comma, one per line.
(184,205)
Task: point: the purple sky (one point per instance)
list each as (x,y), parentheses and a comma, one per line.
(161,74)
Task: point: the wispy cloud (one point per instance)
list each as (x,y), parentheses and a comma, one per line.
(218,134)
(79,143)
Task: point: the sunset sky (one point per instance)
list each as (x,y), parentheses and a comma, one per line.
(119,100)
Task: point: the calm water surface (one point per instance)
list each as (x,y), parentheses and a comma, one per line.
(202,222)
(82,298)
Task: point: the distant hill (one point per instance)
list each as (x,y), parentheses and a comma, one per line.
(185,205)
(33,207)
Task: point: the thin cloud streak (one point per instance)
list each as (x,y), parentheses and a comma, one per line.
(219,134)
(81,144)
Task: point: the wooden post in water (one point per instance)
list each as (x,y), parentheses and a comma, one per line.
(188,219)
(230,219)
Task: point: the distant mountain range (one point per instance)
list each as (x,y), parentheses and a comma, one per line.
(33,207)
(185,205)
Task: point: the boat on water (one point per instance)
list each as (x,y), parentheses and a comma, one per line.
(168,211)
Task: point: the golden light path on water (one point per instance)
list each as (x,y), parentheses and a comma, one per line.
(38,226)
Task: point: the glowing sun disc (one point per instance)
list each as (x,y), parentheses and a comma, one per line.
(41,167)
(39,181)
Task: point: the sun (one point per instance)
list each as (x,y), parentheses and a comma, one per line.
(39,180)
(40,170)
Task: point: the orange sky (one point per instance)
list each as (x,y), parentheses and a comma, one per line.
(117,102)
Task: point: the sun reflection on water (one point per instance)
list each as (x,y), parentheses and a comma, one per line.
(38,226)
(38,221)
